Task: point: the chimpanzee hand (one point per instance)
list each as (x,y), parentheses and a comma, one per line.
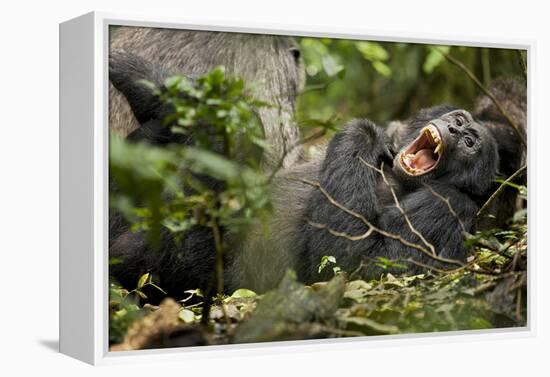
(388,155)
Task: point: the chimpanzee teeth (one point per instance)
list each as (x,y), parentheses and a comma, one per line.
(438,148)
(433,133)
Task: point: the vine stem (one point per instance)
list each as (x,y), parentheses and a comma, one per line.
(219,269)
(500,188)
(371,227)
(487,92)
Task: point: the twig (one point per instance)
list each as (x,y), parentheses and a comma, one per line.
(485,65)
(448,202)
(280,163)
(219,255)
(359,268)
(398,205)
(313,88)
(519,317)
(429,267)
(316,87)
(219,268)
(482,87)
(332,201)
(523,64)
(374,228)
(519,281)
(498,191)
(341,234)
(484,287)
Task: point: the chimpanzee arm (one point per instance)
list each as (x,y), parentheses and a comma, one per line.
(125,72)
(345,176)
(433,219)
(352,184)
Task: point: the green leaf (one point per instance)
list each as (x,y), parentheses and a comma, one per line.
(478,323)
(434,58)
(157,287)
(187,316)
(382,68)
(148,84)
(242,293)
(367,324)
(372,51)
(173,81)
(141,294)
(142,280)
(331,67)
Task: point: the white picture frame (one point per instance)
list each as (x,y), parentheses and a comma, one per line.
(84,191)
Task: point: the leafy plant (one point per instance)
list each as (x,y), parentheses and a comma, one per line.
(213,181)
(124,306)
(329,260)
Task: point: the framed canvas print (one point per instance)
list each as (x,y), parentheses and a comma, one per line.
(226,188)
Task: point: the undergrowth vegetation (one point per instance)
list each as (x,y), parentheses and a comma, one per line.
(489,291)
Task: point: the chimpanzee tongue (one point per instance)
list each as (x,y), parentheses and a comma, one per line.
(423,159)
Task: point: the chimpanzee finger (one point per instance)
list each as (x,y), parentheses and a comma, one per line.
(388,155)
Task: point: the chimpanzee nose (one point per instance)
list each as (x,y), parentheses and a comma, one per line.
(452,130)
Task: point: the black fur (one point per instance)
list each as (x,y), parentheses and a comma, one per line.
(462,176)
(177,265)
(512,95)
(270,65)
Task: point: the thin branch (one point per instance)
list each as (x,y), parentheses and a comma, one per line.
(519,317)
(219,268)
(373,228)
(341,234)
(286,152)
(321,87)
(499,190)
(429,267)
(482,87)
(313,88)
(448,203)
(279,165)
(332,201)
(521,280)
(359,268)
(314,136)
(522,63)
(398,205)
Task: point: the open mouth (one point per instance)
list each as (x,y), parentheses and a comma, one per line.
(424,153)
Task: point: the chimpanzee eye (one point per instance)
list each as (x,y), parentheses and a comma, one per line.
(295,53)
(458,121)
(469,141)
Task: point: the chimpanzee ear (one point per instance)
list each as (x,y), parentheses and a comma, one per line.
(126,71)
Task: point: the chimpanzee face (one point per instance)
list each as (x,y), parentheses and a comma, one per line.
(452,148)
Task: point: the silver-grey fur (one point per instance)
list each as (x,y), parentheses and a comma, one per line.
(264,255)
(270,65)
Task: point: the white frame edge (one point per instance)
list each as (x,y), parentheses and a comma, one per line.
(84,191)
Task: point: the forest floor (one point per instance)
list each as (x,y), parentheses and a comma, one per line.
(490,291)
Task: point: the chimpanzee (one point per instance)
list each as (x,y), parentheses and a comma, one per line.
(447,156)
(512,96)
(271,65)
(510,93)
(444,168)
